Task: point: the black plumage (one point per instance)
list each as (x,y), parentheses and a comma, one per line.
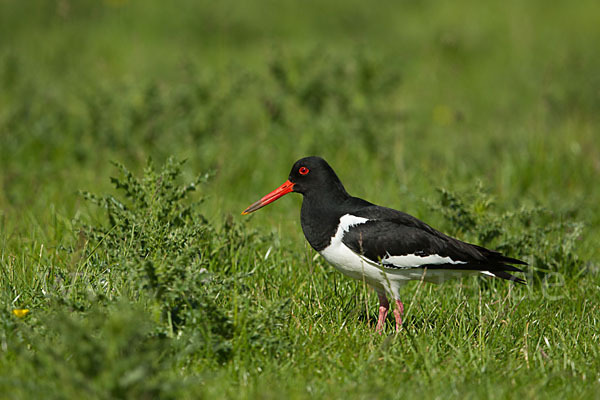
(388,233)
(393,233)
(397,247)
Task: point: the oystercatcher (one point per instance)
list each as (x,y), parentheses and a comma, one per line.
(385,247)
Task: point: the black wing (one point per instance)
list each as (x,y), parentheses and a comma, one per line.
(391,233)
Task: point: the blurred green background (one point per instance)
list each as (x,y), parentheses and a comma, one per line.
(401,97)
(398,96)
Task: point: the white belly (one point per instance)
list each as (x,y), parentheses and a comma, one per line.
(382,278)
(351,264)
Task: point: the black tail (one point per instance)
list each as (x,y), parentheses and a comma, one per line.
(508,277)
(497,257)
(502,261)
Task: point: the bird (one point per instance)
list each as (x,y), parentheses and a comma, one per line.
(381,246)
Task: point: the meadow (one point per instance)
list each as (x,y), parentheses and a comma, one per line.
(133,134)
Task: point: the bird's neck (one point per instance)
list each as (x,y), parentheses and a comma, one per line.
(320,216)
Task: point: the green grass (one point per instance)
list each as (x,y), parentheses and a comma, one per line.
(480,118)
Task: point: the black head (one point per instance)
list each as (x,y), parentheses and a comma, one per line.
(312,175)
(309,176)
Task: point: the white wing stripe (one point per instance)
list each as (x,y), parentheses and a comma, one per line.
(415,261)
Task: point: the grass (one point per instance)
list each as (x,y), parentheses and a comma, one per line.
(480,119)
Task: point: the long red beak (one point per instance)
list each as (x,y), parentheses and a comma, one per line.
(271,197)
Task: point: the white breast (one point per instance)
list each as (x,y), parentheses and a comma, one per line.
(347,261)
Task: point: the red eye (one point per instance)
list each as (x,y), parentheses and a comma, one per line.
(303,170)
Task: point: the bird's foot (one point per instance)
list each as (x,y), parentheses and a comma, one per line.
(384,306)
(383,311)
(398,312)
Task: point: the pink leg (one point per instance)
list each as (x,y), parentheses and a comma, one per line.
(398,312)
(384,306)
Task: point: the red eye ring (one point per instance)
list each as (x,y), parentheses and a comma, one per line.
(303,170)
